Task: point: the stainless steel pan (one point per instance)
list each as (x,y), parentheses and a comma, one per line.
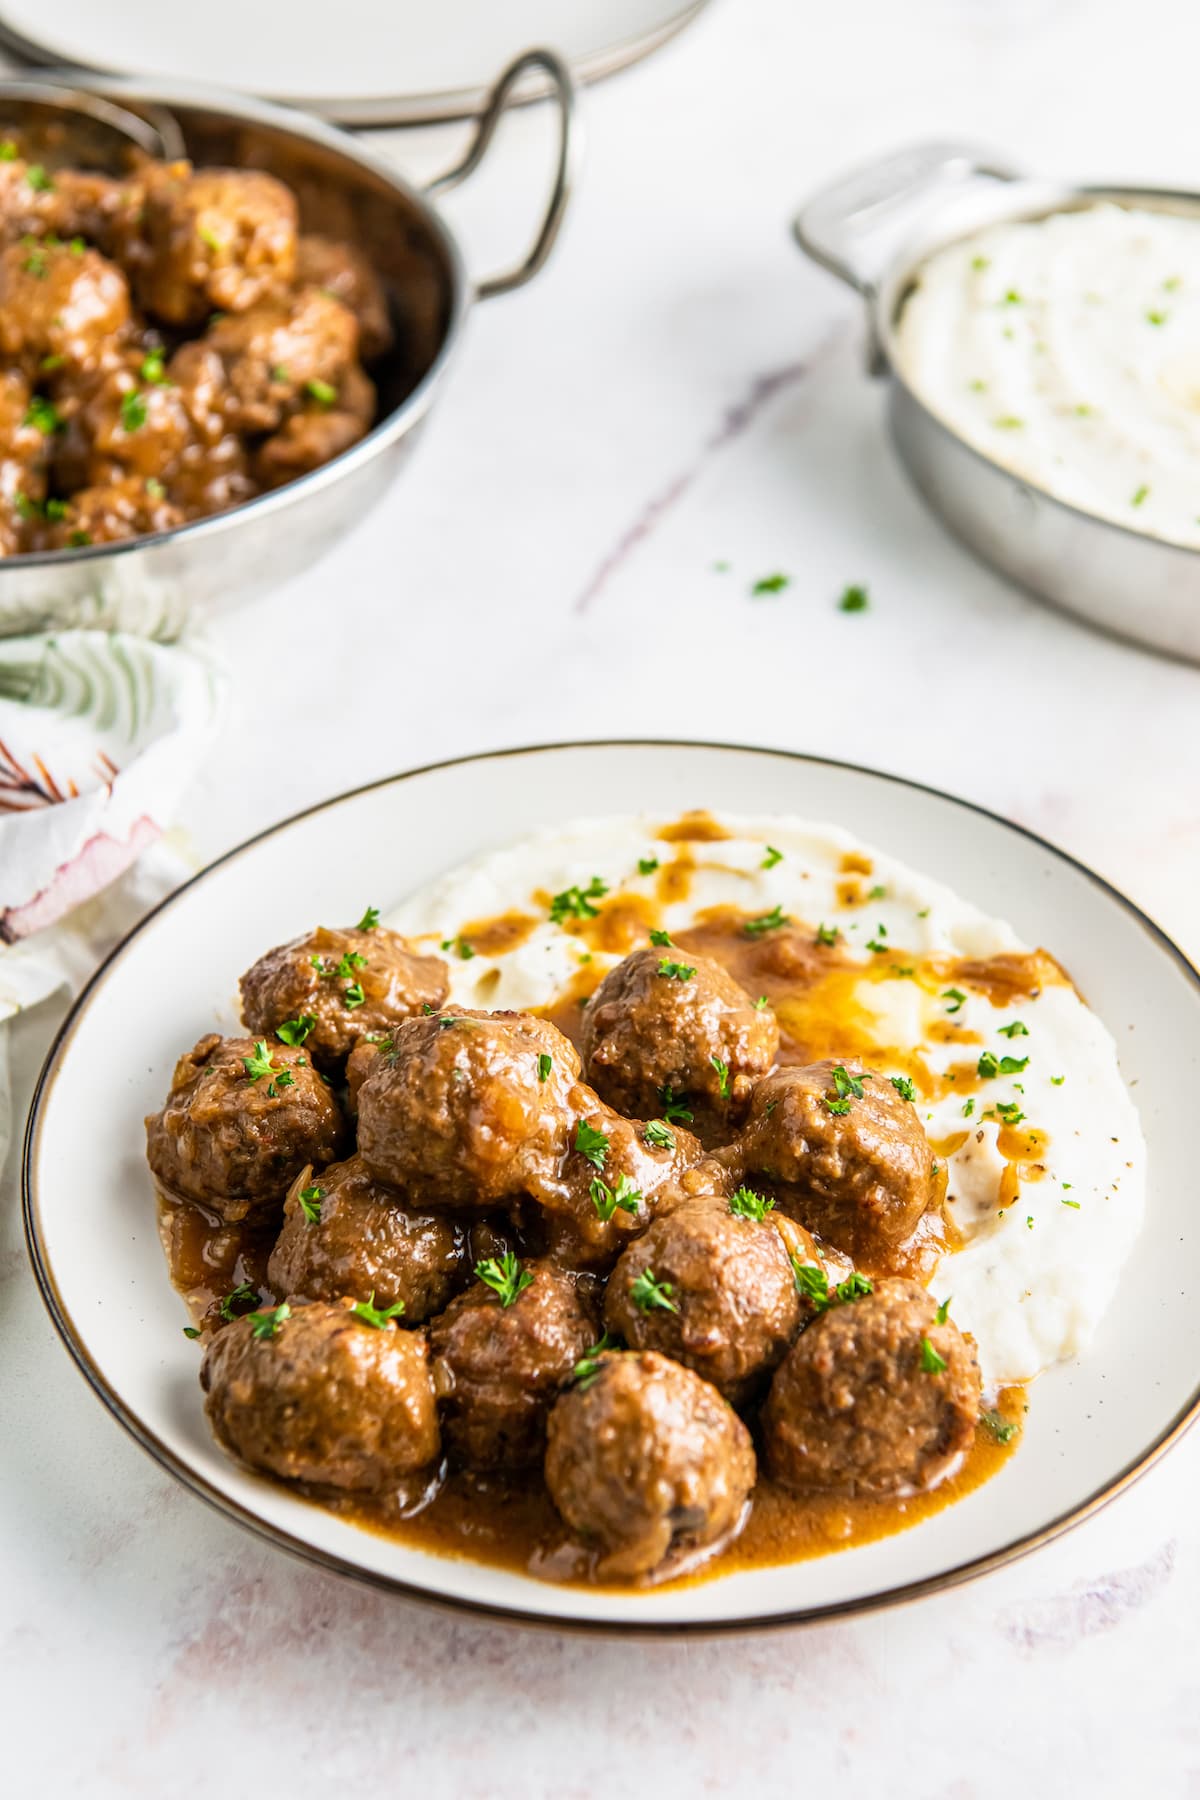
(874,229)
(153,584)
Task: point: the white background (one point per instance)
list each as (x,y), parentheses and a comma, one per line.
(677,389)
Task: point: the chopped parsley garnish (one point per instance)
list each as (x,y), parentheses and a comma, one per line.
(374,1316)
(38,179)
(845,1085)
(854,600)
(369,920)
(351,960)
(133,411)
(746,1204)
(243,1298)
(353,996)
(1002,1429)
(1141,495)
(310,1199)
(957,999)
(646,1293)
(1009,422)
(1012,298)
(968,1107)
(931,1362)
(772,857)
(35,263)
(990,1066)
(260,1063)
(1073,1203)
(676,971)
(771,584)
(812,1284)
(722,1069)
(576,902)
(878,892)
(771,921)
(903,1087)
(545,1063)
(606,1200)
(190,1331)
(943,1311)
(155,488)
(647,865)
(8,150)
(981,262)
(1057,1080)
(460,947)
(676,1112)
(659,1136)
(266,1324)
(760,1005)
(1156,318)
(660,939)
(839,1107)
(44,416)
(588,1366)
(1007,1111)
(504,1275)
(827,934)
(1016,1029)
(592,1144)
(878,944)
(153,367)
(208,236)
(48,364)
(294,1031)
(321,392)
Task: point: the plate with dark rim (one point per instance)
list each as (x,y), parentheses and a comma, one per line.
(1094,1424)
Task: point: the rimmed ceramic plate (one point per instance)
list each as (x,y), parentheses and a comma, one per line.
(403,64)
(1093,1425)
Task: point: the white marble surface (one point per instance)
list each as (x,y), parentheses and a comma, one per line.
(677,390)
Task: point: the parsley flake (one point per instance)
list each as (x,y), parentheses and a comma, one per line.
(1002,1429)
(310,1199)
(722,1069)
(133,411)
(544,1065)
(243,1299)
(931,1362)
(675,971)
(647,865)
(957,998)
(369,920)
(576,902)
(504,1275)
(677,1112)
(854,600)
(659,1136)
(593,1144)
(827,934)
(606,1200)
(771,921)
(770,584)
(1016,1029)
(746,1204)
(647,1293)
(772,857)
(266,1324)
(588,1366)
(903,1087)
(374,1316)
(294,1031)
(990,1066)
(321,392)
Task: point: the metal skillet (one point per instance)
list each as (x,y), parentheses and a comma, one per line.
(153,584)
(874,229)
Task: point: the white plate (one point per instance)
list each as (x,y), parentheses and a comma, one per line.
(392,63)
(1092,1426)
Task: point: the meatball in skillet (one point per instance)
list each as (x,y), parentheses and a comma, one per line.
(469,1109)
(123,508)
(316,1394)
(501,1353)
(327,423)
(240,1122)
(287,349)
(344,272)
(878,1396)
(334,987)
(63,307)
(212,239)
(344,1233)
(853,1151)
(669,1019)
(712,1287)
(648,1463)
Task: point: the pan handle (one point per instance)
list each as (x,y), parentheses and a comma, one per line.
(562,89)
(843,226)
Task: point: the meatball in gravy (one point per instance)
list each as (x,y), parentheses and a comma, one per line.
(241,1121)
(316,1395)
(647,1462)
(879,1395)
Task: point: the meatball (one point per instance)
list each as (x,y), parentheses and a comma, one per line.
(125,508)
(66,204)
(238,1126)
(344,272)
(498,1368)
(213,238)
(24,457)
(272,358)
(62,306)
(615,1175)
(710,1287)
(648,1462)
(351,1235)
(343,985)
(853,1150)
(321,430)
(122,423)
(875,1397)
(319,1396)
(667,1018)
(469,1108)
